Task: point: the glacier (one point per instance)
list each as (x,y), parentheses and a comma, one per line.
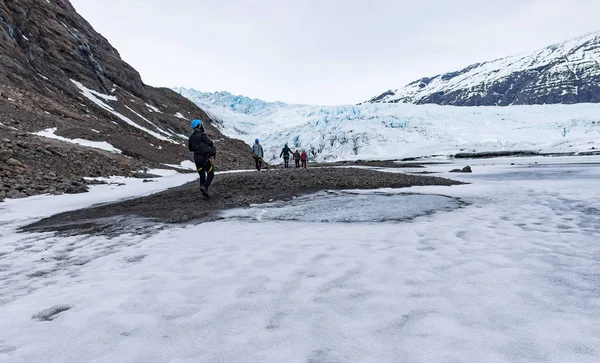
(397,131)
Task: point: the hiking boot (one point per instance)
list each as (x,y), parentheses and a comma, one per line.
(204,192)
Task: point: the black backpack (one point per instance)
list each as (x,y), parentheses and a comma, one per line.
(197,145)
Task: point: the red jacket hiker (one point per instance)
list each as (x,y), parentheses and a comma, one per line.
(304,158)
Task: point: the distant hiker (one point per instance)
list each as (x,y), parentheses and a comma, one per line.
(297,158)
(304,158)
(203,149)
(258,154)
(285,152)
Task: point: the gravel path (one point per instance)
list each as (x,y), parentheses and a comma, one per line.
(185,203)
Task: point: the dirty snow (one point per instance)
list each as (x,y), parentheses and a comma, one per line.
(179,115)
(102,145)
(510,277)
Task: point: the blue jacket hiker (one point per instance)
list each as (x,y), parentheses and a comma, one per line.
(203,149)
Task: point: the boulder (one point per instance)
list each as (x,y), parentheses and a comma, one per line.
(15,194)
(145,176)
(5,155)
(466,169)
(76,189)
(96,182)
(14,162)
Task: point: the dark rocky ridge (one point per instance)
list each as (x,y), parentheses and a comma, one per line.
(565,73)
(43,46)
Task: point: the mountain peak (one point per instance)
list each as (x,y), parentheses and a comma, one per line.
(567,72)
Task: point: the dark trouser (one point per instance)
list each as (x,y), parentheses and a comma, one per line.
(206,171)
(258,163)
(304,164)
(297,164)
(286,161)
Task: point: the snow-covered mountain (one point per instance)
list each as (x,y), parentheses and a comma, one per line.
(565,73)
(386,131)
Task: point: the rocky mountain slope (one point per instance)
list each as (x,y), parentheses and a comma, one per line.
(564,73)
(61,79)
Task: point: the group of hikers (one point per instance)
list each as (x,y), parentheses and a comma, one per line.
(204,149)
(299,158)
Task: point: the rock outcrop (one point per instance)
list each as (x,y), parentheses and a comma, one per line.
(563,73)
(57,73)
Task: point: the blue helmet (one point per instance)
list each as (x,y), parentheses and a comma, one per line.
(256,141)
(196,123)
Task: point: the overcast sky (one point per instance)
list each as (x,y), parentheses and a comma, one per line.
(325,51)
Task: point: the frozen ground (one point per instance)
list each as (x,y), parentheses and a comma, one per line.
(513,276)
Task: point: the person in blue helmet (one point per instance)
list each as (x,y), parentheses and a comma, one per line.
(203,149)
(258,154)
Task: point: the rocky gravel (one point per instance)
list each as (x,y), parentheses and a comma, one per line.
(185,203)
(31,166)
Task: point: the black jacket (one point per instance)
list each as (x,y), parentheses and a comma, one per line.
(286,151)
(201,145)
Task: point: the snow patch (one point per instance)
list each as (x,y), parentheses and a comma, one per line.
(91,95)
(102,145)
(148,121)
(179,115)
(153,108)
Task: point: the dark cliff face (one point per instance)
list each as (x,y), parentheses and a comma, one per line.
(46,51)
(565,73)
